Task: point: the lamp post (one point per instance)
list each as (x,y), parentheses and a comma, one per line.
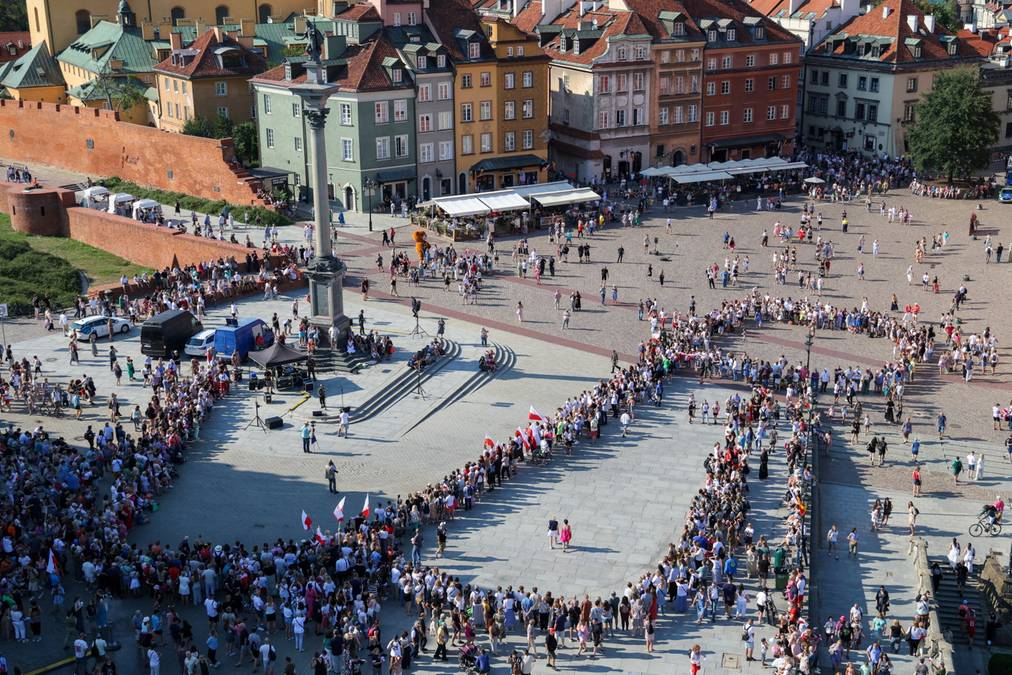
(369,186)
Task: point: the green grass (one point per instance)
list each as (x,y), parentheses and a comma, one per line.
(49,266)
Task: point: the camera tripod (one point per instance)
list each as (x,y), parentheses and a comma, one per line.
(418,331)
(419,391)
(257,421)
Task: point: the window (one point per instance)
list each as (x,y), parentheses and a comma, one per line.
(528,108)
(749,85)
(445,150)
(872,112)
(346,114)
(785,82)
(467,144)
(485,79)
(869,142)
(771,84)
(604,84)
(732,35)
(175,85)
(679,114)
(520,50)
(424,123)
(528,139)
(509,110)
(788,57)
(785,111)
(382,112)
(665,56)
(694,86)
(167,85)
(874,84)
(397,18)
(727,63)
(815,77)
(679,85)
(383,147)
(509,81)
(680,56)
(221,88)
(750,61)
(693,113)
(711,64)
(862,82)
(710,119)
(1008,130)
(465,81)
(841,108)
(774,58)
(725,117)
(426,152)
(641,53)
(711,35)
(509,142)
(911,84)
(485,110)
(412,18)
(347,149)
(621,54)
(771,112)
(443,91)
(527,79)
(445,120)
(711,88)
(664,85)
(678,28)
(486,142)
(824,78)
(474,50)
(638,81)
(441,61)
(620,118)
(509,51)
(298,143)
(746,116)
(603,119)
(637,116)
(466,112)
(401,145)
(858,110)
(400,110)
(270,138)
(395,75)
(725,87)
(695,54)
(424,92)
(623,82)
(82,18)
(662,116)
(908,112)
(760,32)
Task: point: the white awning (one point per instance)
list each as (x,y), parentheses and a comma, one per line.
(461,206)
(528,191)
(652,171)
(567,197)
(704,177)
(504,201)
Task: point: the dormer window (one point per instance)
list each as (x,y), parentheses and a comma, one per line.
(474,50)
(917,52)
(441,60)
(952,48)
(641,53)
(576,45)
(759,32)
(732,35)
(711,35)
(423,62)
(395,75)
(621,54)
(678,28)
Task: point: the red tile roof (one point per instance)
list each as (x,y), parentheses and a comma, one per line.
(529,17)
(12,39)
(206,63)
(648,11)
(737,11)
(773,8)
(360,13)
(447,17)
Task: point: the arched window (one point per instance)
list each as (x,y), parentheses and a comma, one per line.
(266,11)
(220,12)
(83,19)
(177,13)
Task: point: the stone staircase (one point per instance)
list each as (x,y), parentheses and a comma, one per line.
(948,597)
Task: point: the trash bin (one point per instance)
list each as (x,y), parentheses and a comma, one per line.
(781,580)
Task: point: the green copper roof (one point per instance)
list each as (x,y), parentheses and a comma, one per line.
(35,68)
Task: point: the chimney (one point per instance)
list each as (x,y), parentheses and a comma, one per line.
(164,28)
(929,23)
(912,22)
(583,8)
(517,6)
(176,40)
(147,31)
(247,28)
(885,11)
(300,24)
(201,26)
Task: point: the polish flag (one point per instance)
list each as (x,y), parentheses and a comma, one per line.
(51,565)
(489,443)
(523,439)
(339,510)
(306,521)
(535,416)
(365,507)
(320,539)
(536,432)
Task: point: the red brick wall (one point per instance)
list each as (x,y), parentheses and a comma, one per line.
(145,244)
(36,132)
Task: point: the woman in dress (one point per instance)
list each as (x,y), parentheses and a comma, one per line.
(565,535)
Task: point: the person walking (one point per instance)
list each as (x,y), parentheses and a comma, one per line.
(565,534)
(956,467)
(331,474)
(748,637)
(321,392)
(307,436)
(852,543)
(345,420)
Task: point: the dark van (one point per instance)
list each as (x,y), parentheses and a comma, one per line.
(167,332)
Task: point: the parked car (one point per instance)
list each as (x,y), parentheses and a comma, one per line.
(198,344)
(1005,195)
(246,336)
(99,325)
(168,332)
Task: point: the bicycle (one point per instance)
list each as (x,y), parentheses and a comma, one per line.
(985,526)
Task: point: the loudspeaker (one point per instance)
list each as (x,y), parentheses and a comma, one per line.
(317,413)
(267,398)
(274,422)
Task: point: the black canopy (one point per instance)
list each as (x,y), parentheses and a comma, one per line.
(276,355)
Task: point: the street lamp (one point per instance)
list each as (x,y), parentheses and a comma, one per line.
(370,186)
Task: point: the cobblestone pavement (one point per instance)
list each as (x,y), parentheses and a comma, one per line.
(255,485)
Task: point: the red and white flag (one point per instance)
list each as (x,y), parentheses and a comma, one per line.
(307,522)
(523,439)
(535,416)
(51,565)
(339,510)
(320,539)
(365,507)
(489,443)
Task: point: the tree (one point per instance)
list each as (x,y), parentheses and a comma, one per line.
(13,15)
(197,126)
(246,143)
(955,126)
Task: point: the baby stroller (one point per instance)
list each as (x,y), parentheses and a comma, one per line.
(468,658)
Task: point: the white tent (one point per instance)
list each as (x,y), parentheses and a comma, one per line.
(120,200)
(95,197)
(461,205)
(144,205)
(653,171)
(561,198)
(703,177)
(505,200)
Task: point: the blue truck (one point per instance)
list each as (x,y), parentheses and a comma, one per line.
(246,336)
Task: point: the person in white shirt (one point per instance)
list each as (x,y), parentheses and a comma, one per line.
(154,661)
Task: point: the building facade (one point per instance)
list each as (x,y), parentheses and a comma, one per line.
(809,20)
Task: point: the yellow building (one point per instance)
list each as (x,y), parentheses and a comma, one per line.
(61,22)
(207,79)
(501,119)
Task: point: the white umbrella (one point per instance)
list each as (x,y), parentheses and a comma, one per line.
(814,181)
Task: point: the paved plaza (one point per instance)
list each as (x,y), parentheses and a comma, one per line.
(625,497)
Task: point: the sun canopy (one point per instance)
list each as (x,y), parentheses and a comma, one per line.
(574,196)
(276,355)
(146,204)
(703,177)
(814,181)
(504,201)
(96,192)
(464,205)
